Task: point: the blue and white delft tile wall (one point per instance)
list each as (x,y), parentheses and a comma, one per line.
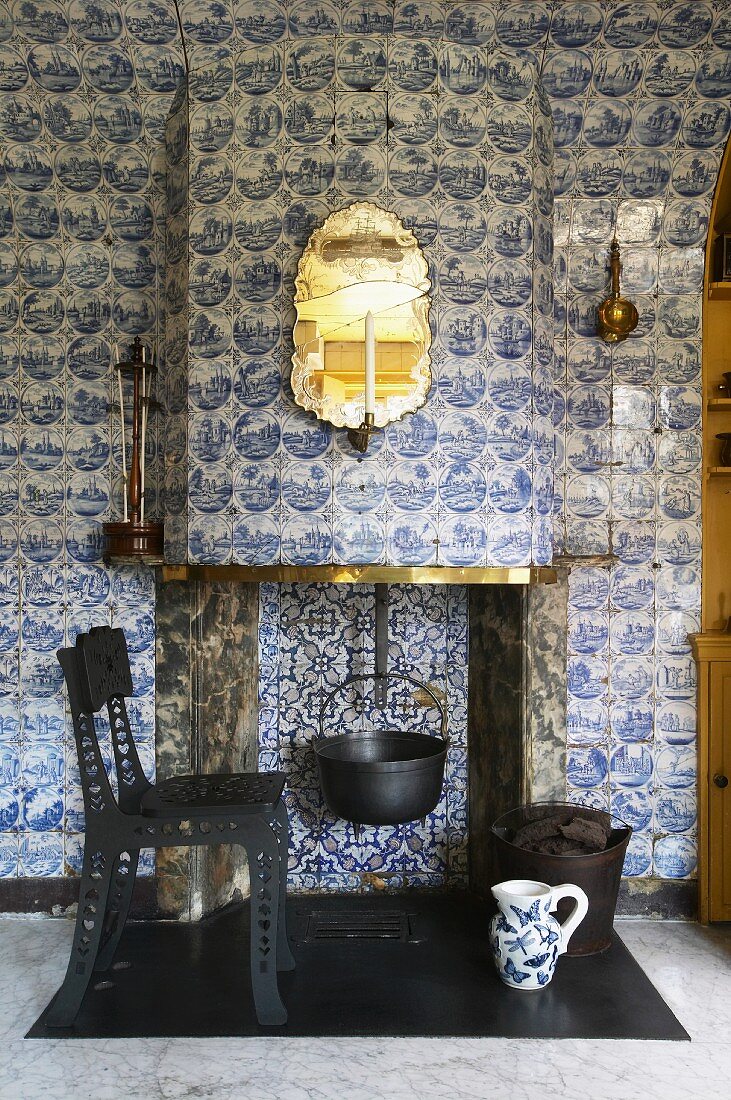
(409,109)
(85,88)
(414,113)
(638,94)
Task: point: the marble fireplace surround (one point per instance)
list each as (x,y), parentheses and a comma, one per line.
(207,714)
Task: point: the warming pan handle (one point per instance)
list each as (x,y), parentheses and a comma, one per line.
(360,676)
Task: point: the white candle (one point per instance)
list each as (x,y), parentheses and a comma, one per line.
(370,363)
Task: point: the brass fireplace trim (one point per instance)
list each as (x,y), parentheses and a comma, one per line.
(361,574)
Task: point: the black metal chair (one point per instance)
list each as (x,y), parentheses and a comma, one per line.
(241,808)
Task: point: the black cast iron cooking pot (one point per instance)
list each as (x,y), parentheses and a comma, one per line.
(381,777)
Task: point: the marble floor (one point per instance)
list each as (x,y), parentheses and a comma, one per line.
(690,965)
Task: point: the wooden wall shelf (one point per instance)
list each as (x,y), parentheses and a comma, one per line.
(719,404)
(719,471)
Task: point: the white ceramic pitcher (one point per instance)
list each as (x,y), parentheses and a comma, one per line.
(526,939)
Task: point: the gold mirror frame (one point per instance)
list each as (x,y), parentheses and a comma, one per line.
(360,245)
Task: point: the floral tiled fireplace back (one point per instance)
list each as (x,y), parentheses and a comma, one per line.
(311,638)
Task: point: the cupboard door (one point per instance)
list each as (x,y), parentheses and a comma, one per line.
(719,790)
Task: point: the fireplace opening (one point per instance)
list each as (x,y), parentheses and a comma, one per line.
(262,658)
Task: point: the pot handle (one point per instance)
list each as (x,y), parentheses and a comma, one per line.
(360,676)
(577,914)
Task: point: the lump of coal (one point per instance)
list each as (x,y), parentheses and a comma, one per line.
(563,834)
(528,836)
(592,834)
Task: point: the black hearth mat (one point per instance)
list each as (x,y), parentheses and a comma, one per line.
(395,965)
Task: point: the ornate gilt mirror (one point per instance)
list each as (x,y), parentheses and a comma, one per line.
(362,338)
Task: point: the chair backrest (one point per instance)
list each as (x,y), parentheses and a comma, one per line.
(97,673)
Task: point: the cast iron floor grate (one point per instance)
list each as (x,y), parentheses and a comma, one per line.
(368,924)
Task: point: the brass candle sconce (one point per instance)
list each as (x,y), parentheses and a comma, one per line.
(617,317)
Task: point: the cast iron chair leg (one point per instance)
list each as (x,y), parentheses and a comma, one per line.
(95,881)
(262,849)
(285,958)
(120,896)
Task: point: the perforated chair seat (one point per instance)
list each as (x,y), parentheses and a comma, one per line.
(207,795)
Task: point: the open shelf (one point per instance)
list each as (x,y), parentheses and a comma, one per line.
(719,404)
(719,471)
(720,291)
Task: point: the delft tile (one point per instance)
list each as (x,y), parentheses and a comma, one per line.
(269,761)
(456,813)
(304,855)
(586,722)
(43,809)
(41,854)
(634,807)
(596,798)
(305,807)
(674,857)
(586,768)
(9,855)
(268,729)
(678,588)
(268,685)
(638,860)
(73,854)
(634,541)
(456,767)
(632,633)
(631,766)
(675,812)
(338,882)
(675,767)
(457,731)
(299,704)
(425,856)
(375,850)
(458,854)
(676,722)
(675,677)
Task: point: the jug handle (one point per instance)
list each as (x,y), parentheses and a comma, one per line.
(577,914)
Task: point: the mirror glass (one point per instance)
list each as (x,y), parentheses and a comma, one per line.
(362,332)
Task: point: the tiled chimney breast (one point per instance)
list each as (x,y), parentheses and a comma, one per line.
(426,116)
